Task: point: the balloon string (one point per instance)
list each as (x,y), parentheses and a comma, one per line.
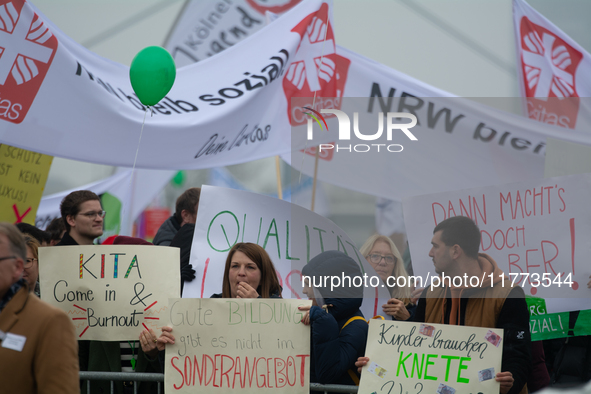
(140,140)
(133,168)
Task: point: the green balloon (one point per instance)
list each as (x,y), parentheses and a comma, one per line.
(152,74)
(179,178)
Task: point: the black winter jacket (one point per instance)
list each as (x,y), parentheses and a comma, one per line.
(335,349)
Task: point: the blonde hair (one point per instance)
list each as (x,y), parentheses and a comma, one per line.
(33,244)
(402,293)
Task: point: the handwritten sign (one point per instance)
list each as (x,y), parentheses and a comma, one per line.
(292,235)
(22,179)
(537,232)
(111,292)
(431,358)
(251,346)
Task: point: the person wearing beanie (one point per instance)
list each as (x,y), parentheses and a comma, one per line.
(338,328)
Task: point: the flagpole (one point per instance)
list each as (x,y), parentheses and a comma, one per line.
(315,177)
(278,171)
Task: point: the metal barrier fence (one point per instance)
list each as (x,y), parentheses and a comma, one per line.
(158,377)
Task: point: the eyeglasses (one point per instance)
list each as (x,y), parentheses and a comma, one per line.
(377,258)
(93,214)
(29,263)
(7,258)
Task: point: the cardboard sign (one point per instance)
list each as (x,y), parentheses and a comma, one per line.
(431,358)
(246,345)
(111,292)
(23,175)
(536,231)
(290,234)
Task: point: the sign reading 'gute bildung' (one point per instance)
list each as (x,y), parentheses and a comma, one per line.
(431,358)
(111,292)
(237,345)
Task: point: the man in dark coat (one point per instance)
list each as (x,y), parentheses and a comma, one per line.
(185,212)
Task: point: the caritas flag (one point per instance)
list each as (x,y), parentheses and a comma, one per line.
(554,71)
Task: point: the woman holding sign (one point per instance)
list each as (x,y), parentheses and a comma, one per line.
(384,257)
(249,273)
(339,331)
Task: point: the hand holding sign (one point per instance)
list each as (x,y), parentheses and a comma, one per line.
(432,357)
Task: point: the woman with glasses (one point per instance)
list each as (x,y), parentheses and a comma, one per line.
(384,257)
(31,272)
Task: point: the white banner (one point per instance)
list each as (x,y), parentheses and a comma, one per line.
(460,143)
(290,234)
(206,28)
(536,231)
(127,198)
(58,96)
(553,71)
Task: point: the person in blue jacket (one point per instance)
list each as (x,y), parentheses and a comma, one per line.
(338,328)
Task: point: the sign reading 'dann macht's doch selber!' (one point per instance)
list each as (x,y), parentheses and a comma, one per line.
(429,358)
(111,292)
(237,345)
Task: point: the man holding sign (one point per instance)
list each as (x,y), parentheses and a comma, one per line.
(471,290)
(83,215)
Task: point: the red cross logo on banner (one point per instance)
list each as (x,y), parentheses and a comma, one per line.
(27,48)
(316,69)
(549,66)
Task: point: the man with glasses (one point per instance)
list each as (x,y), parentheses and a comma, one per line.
(83,215)
(38,352)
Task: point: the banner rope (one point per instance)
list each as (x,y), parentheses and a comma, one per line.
(132,176)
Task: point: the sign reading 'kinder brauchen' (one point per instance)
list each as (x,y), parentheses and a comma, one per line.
(431,358)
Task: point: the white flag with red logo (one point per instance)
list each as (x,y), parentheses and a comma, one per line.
(554,71)
(60,99)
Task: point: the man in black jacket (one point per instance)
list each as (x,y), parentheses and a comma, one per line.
(185,212)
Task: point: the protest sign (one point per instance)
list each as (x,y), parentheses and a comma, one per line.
(431,358)
(22,179)
(536,231)
(545,325)
(111,292)
(246,345)
(290,234)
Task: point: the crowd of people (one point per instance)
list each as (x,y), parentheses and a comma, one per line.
(40,352)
